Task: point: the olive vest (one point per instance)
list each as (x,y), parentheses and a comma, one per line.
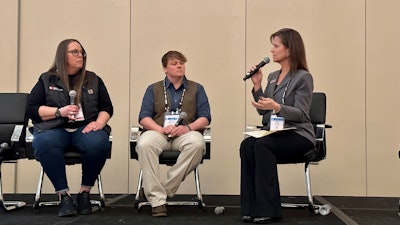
(188,104)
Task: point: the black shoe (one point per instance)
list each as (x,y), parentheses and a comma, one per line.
(84,205)
(67,206)
(247,219)
(266,219)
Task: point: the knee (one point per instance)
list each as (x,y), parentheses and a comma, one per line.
(246,148)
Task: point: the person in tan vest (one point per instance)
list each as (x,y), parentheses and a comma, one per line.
(174,111)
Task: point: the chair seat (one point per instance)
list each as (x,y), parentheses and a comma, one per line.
(310,156)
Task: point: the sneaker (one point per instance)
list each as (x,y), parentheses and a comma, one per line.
(159,211)
(67,206)
(84,205)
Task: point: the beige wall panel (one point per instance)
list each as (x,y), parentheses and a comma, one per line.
(382,105)
(9,72)
(9,45)
(333,32)
(103,28)
(211,35)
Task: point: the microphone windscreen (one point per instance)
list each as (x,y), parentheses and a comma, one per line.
(183,115)
(4,145)
(219,210)
(72,93)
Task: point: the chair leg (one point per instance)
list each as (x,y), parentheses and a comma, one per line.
(137,196)
(8,205)
(399,203)
(314,209)
(101,193)
(198,191)
(199,202)
(39,204)
(39,189)
(308,189)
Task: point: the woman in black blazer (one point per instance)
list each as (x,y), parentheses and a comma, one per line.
(288,94)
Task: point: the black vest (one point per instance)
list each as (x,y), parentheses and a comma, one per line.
(57,96)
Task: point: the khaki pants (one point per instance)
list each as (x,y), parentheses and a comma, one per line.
(150,145)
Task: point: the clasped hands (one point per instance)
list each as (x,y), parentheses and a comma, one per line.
(173,131)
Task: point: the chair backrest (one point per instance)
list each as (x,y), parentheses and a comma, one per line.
(13,122)
(318,108)
(318,119)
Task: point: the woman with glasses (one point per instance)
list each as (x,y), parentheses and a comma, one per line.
(287,95)
(70,106)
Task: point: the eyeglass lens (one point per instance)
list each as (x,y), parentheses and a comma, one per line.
(76,52)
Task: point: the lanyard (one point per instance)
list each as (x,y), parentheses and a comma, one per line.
(166,106)
(284,92)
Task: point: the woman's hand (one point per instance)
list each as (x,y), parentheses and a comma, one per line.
(92,126)
(69,111)
(256,78)
(266,104)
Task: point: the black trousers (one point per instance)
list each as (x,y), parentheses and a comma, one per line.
(259,185)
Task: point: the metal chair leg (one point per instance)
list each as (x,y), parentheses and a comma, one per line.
(198,191)
(199,202)
(39,189)
(314,209)
(101,193)
(137,196)
(308,188)
(38,203)
(8,205)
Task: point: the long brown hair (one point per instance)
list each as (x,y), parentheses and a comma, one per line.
(292,40)
(59,68)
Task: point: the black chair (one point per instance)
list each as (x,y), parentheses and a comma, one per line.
(169,157)
(13,121)
(399,199)
(72,157)
(312,157)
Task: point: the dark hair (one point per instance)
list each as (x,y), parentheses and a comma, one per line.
(59,67)
(172,55)
(292,40)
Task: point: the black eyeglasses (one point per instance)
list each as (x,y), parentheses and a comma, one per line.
(76,52)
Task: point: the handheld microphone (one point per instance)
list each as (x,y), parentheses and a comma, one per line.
(3,147)
(261,64)
(72,95)
(182,116)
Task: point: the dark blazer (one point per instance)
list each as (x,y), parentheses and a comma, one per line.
(294,94)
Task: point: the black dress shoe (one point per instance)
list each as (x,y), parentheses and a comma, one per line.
(266,219)
(247,219)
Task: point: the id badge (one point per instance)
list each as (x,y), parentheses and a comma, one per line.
(80,116)
(276,123)
(170,118)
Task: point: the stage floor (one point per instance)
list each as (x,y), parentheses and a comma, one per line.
(120,210)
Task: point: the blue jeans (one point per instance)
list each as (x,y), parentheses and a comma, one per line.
(49,147)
